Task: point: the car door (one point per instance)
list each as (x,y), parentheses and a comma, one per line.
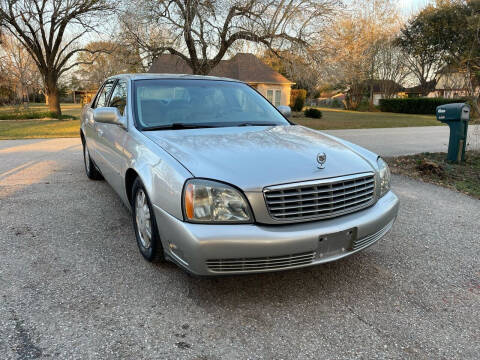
(111,139)
(91,129)
(89,125)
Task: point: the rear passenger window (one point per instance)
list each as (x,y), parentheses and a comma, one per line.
(119,97)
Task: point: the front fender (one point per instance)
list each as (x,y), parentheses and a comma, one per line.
(162,175)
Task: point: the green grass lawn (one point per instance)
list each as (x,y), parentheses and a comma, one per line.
(32,129)
(344,119)
(67,109)
(42,128)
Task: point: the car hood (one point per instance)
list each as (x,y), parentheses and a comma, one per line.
(254,157)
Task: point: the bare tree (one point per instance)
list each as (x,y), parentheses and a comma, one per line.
(20,67)
(351,57)
(303,71)
(104,59)
(202,31)
(49,31)
(392,68)
(354,43)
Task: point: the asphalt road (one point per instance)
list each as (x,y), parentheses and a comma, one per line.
(74,286)
(407,140)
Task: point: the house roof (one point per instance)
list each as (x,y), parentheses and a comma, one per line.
(418,89)
(244,67)
(380,85)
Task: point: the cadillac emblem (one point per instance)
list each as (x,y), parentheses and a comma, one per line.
(321,160)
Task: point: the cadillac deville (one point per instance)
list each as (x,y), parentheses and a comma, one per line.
(219,181)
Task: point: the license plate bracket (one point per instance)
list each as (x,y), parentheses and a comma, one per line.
(336,243)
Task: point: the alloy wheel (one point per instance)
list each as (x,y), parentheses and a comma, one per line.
(87,158)
(143,219)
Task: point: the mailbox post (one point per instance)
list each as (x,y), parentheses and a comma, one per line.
(456,116)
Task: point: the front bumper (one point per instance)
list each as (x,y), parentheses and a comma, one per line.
(250,248)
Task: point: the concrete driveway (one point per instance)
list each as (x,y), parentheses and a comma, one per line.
(73,284)
(406,140)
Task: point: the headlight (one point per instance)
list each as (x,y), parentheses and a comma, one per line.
(385,176)
(208,201)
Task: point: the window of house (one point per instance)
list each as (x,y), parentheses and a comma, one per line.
(278,97)
(270,95)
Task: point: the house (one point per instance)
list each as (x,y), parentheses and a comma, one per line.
(451,84)
(82,96)
(383,89)
(334,98)
(374,91)
(417,91)
(244,67)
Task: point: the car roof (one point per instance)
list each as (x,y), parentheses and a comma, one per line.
(148,76)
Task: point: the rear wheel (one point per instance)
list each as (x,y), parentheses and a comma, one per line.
(90,169)
(145,225)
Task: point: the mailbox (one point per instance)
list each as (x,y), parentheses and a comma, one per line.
(456,116)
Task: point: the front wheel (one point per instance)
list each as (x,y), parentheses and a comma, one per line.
(90,169)
(145,225)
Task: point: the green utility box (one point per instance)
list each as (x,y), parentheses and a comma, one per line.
(456,116)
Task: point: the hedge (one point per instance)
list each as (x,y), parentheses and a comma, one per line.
(416,105)
(34,115)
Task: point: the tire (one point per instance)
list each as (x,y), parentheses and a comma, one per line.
(90,168)
(145,224)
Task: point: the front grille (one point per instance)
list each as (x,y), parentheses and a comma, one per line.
(322,199)
(261,263)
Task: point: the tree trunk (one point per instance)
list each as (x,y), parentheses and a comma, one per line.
(52,96)
(54,102)
(424,86)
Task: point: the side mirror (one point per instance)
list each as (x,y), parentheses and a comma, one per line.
(285,110)
(109,115)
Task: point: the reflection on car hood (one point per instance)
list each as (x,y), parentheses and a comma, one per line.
(254,157)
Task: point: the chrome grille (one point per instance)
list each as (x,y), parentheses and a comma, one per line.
(261,263)
(320,199)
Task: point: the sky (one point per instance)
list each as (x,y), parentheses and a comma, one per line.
(408,7)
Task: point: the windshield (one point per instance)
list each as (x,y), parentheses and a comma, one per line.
(178,104)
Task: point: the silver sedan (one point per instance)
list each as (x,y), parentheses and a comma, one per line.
(221,182)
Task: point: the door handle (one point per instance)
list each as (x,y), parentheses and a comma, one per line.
(100,132)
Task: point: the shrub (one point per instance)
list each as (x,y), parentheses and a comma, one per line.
(336,104)
(363,106)
(33,115)
(313,113)
(297,99)
(298,104)
(415,105)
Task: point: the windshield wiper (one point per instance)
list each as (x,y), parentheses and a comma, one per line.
(256,124)
(178,126)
